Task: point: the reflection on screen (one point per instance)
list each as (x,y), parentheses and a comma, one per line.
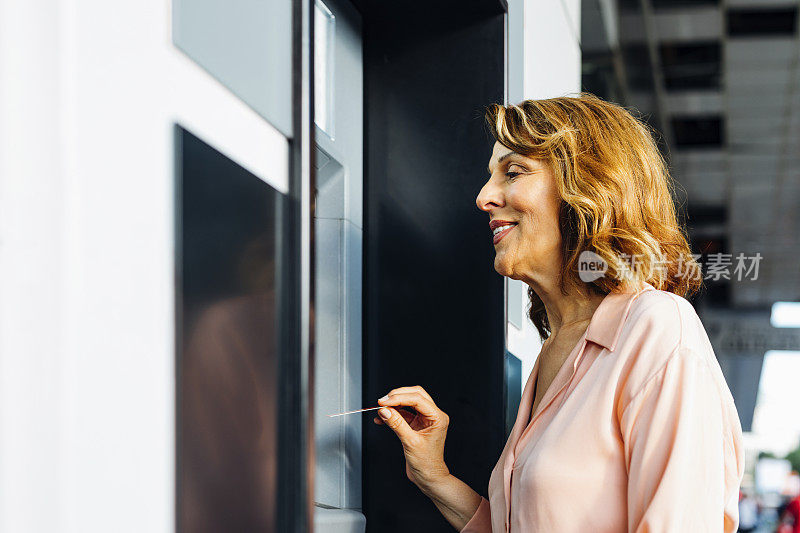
(226,340)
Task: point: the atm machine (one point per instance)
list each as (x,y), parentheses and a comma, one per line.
(372,271)
(236,218)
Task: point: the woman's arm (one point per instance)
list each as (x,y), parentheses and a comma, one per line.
(423,434)
(683,450)
(455,500)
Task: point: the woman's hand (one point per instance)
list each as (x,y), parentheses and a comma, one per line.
(422,433)
(422,430)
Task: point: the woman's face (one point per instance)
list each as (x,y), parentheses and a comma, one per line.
(522,200)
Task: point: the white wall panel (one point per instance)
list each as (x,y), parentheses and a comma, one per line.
(31,251)
(90,91)
(552,50)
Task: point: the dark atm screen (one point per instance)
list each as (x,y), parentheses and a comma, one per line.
(226,343)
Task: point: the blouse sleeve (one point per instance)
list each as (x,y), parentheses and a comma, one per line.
(683,468)
(481,521)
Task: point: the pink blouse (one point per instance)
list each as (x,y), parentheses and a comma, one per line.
(638,432)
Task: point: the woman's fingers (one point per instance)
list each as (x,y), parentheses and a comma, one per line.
(415,388)
(421,431)
(409,417)
(396,423)
(420,403)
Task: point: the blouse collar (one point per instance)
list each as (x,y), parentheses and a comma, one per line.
(609,317)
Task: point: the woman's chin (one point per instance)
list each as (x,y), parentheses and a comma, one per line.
(502,267)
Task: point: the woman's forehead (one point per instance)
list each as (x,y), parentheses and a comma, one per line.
(502,154)
(498,150)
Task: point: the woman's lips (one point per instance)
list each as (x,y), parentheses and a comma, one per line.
(499,236)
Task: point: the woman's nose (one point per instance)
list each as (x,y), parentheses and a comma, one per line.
(490,197)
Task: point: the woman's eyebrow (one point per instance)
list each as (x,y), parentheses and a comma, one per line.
(501,159)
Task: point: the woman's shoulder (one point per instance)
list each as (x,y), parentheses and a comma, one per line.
(670,318)
(653,317)
(667,350)
(660,327)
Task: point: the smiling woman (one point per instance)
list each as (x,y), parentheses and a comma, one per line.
(521,197)
(600,169)
(626,422)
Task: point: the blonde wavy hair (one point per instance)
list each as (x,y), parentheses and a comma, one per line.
(616,194)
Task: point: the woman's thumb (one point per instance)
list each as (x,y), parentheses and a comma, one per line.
(396,422)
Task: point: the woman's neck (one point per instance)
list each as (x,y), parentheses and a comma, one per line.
(567,311)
